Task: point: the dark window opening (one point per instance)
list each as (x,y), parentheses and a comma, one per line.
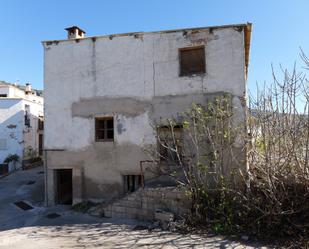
(27,120)
(132,182)
(104,129)
(3,95)
(64,186)
(192,60)
(27,115)
(170,141)
(4,168)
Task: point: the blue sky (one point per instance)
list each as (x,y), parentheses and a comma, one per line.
(280,28)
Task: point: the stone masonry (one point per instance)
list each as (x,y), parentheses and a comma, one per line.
(144,203)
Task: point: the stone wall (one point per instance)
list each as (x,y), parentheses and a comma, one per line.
(144,203)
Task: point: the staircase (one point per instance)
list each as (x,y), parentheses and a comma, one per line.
(143,204)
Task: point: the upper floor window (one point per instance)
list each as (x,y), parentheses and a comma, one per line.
(3,95)
(40,123)
(192,60)
(104,129)
(27,115)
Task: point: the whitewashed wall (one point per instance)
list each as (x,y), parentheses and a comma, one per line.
(31,135)
(11,127)
(135,79)
(140,67)
(14,135)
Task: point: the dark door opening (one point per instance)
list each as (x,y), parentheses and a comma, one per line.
(40,144)
(4,168)
(64,186)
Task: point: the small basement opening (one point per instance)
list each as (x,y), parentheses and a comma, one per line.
(4,169)
(132,182)
(64,186)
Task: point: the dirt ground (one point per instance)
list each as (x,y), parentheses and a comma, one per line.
(60,227)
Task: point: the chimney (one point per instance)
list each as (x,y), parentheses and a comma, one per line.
(28,88)
(75,32)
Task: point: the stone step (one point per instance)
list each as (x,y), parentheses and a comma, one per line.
(144,203)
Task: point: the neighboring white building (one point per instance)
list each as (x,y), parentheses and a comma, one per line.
(103,93)
(21,123)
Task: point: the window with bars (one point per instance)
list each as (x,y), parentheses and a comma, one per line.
(104,129)
(192,60)
(132,182)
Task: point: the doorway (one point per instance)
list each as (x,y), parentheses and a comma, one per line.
(40,144)
(64,186)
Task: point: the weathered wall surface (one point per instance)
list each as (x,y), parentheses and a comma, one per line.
(14,135)
(134,78)
(11,128)
(31,134)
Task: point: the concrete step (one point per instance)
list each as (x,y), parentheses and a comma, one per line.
(144,203)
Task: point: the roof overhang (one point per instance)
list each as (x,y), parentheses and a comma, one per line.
(247,40)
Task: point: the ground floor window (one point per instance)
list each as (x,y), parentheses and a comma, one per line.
(132,182)
(104,129)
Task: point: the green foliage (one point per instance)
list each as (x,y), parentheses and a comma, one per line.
(11,158)
(82,206)
(271,198)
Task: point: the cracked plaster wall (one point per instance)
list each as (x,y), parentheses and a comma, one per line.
(136,80)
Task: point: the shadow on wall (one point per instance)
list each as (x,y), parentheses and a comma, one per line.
(14,132)
(11,136)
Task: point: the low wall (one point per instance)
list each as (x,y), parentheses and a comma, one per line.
(144,203)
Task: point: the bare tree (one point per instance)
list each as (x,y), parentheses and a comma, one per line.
(199,152)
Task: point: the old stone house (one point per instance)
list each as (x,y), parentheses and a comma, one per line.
(104,92)
(21,124)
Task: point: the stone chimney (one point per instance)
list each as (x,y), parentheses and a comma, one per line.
(75,32)
(28,88)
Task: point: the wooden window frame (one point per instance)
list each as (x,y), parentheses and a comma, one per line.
(105,129)
(180,50)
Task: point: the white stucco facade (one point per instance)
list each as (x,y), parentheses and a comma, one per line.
(134,78)
(15,136)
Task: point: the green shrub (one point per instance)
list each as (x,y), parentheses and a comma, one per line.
(11,158)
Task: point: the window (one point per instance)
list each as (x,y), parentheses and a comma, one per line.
(27,115)
(192,60)
(132,182)
(104,129)
(3,95)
